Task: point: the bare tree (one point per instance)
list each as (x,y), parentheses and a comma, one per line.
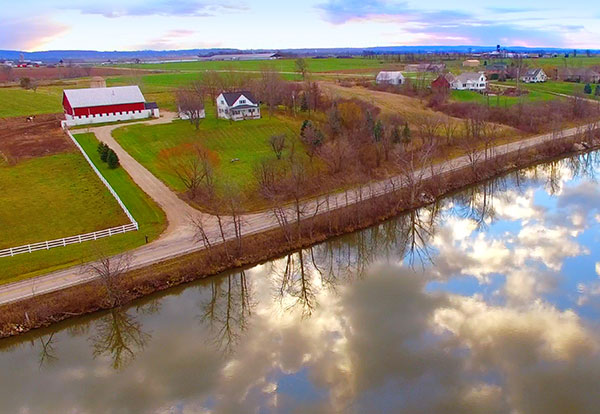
(302,67)
(201,232)
(109,270)
(278,144)
(270,87)
(190,103)
(193,169)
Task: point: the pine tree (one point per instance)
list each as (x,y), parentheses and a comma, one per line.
(406,134)
(103,150)
(587,89)
(305,125)
(112,160)
(396,136)
(378,131)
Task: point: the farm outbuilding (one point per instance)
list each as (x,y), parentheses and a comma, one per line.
(96,105)
(471,63)
(390,78)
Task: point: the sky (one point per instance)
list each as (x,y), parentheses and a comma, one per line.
(34,25)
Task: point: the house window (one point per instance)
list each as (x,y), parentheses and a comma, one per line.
(242,101)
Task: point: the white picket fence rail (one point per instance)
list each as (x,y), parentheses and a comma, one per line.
(80,238)
(50,244)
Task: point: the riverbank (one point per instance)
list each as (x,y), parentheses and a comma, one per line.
(43,310)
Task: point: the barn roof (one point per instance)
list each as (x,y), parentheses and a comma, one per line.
(118,95)
(468,76)
(232,97)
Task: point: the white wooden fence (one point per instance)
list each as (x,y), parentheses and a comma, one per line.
(80,238)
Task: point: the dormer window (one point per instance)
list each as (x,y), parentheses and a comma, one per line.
(242,101)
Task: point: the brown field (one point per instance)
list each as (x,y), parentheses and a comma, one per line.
(413,110)
(20,139)
(59,73)
(389,103)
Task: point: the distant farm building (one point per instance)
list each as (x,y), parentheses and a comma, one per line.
(586,75)
(535,76)
(472,81)
(425,67)
(237,106)
(97,82)
(471,63)
(241,56)
(96,105)
(390,78)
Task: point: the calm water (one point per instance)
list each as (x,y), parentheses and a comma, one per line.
(486,303)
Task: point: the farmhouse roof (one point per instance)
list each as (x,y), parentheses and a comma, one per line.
(468,76)
(232,97)
(387,75)
(533,72)
(82,98)
(151,105)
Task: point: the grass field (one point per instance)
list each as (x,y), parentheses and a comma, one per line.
(20,102)
(499,100)
(280,65)
(566,88)
(69,178)
(151,145)
(52,197)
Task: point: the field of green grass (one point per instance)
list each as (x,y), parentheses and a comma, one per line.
(280,65)
(77,179)
(52,197)
(503,101)
(152,145)
(21,102)
(579,61)
(566,88)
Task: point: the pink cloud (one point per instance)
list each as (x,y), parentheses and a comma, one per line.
(29,33)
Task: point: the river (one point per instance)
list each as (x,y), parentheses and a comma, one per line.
(486,302)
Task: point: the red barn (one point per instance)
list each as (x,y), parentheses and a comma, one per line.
(95,105)
(441,84)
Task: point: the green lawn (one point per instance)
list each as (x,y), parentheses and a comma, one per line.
(151,145)
(566,88)
(472,96)
(280,65)
(78,179)
(20,102)
(52,197)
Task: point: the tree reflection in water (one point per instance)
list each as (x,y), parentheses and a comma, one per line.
(228,309)
(47,351)
(119,337)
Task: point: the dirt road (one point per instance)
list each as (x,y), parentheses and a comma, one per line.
(179,238)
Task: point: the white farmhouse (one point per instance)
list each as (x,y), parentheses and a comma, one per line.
(390,78)
(535,76)
(237,106)
(472,81)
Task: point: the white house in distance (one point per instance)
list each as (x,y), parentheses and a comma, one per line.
(471,81)
(237,106)
(96,105)
(535,76)
(389,78)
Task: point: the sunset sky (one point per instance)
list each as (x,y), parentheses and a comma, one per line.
(165,24)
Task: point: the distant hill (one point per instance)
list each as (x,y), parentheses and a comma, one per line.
(102,56)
